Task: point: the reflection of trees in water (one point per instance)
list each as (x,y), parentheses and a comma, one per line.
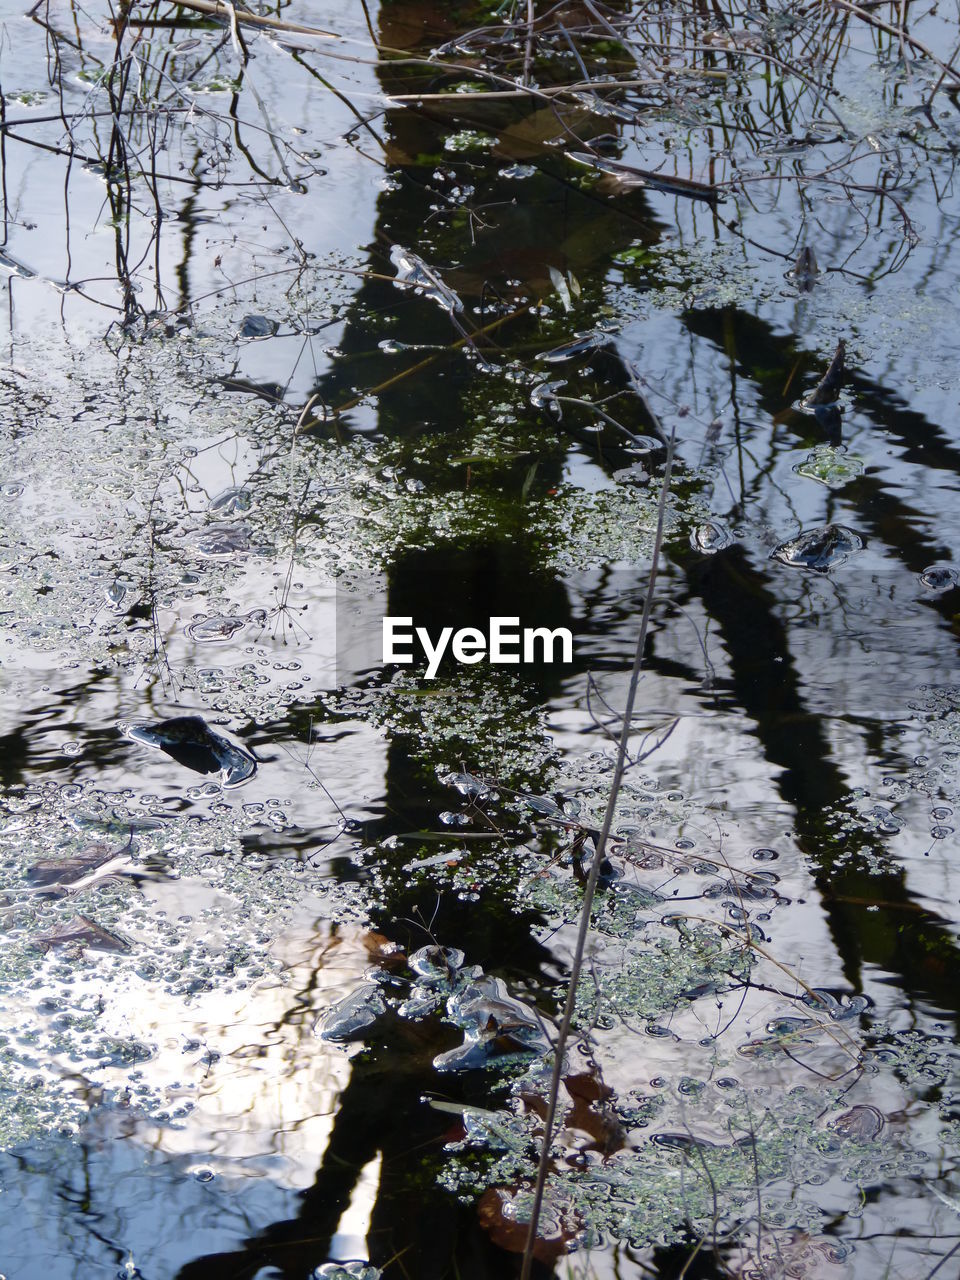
(508,231)
(414,1229)
(898,934)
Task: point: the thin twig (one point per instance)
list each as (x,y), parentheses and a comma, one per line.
(943,75)
(900,33)
(528,47)
(255,19)
(946,1258)
(592,879)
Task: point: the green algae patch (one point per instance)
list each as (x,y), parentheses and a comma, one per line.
(832,467)
(468,140)
(677,277)
(199,506)
(482,715)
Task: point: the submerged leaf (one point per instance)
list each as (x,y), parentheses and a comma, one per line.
(562,288)
(504,1215)
(82,932)
(623,177)
(253,327)
(191,742)
(50,872)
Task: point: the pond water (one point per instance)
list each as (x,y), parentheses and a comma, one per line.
(318,314)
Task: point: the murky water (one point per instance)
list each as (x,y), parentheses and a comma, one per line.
(305,329)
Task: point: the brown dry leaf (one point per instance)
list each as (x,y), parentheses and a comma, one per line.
(505,1231)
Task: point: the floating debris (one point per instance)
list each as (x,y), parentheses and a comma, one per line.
(346,1271)
(115,594)
(221,541)
(470,786)
(254,327)
(636,473)
(272,392)
(215,629)
(710,537)
(805,271)
(412,270)
(351,1017)
(819,549)
(165,324)
(394,347)
(861,1123)
(451,819)
(82,933)
(752,889)
(544,807)
(840,1010)
(544,396)
(624,177)
(680,1141)
(794,1028)
(828,388)
(16,268)
(233,500)
(434,964)
(646,444)
(496,1026)
(577,346)
(441,973)
(191,742)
